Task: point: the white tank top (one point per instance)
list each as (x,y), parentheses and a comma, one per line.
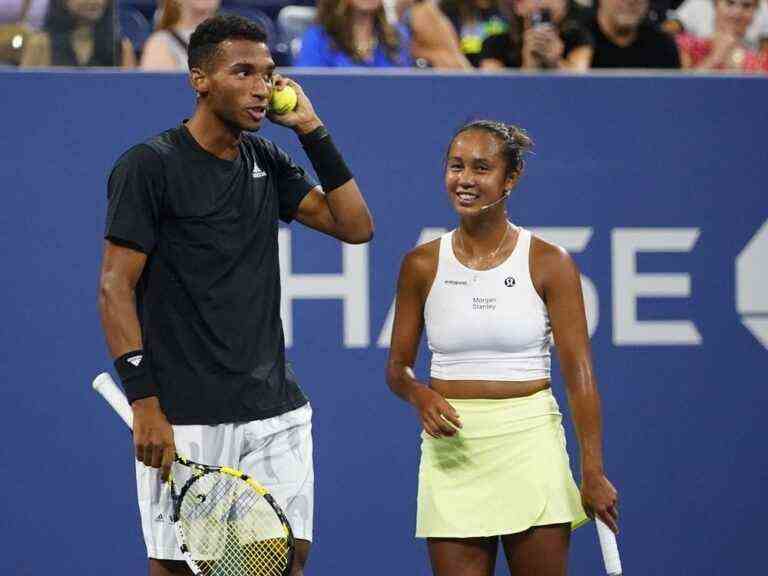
(177,50)
(487,324)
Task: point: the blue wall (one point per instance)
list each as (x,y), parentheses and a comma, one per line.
(677,165)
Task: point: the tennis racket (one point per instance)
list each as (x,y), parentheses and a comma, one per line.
(226,523)
(609,548)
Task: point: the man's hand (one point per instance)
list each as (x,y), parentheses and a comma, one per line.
(153,435)
(303,119)
(437,416)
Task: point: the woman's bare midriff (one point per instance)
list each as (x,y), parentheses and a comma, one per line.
(489,389)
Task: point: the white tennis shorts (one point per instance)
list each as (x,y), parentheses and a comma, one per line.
(276,452)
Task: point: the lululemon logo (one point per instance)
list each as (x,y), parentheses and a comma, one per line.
(752,285)
(509,281)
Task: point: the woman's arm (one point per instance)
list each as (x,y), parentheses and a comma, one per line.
(434,37)
(557,278)
(416,275)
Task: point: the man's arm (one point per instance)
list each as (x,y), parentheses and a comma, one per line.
(121,269)
(339,209)
(342,214)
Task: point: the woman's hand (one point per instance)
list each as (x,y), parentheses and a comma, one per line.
(600,498)
(723,44)
(437,416)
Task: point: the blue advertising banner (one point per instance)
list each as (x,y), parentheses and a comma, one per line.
(656,185)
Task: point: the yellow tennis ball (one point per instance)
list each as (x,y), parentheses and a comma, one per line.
(284,100)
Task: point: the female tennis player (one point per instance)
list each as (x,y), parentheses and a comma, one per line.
(493,459)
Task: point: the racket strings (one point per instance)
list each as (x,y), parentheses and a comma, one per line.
(231,530)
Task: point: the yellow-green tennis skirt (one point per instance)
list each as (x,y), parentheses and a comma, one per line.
(505,470)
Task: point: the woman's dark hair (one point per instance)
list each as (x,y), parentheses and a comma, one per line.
(514,139)
(59,24)
(205,40)
(333,16)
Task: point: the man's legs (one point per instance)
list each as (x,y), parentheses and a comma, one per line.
(300,557)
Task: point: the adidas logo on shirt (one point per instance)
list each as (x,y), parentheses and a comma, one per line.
(257,172)
(135,360)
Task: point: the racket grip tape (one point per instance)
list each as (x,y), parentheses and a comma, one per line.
(105,385)
(609,548)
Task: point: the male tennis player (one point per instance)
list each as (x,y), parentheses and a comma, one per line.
(190,288)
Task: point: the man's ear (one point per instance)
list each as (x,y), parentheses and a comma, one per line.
(199,81)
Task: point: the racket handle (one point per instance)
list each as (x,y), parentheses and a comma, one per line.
(104,385)
(609,548)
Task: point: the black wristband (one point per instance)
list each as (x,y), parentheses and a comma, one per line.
(328,163)
(137,382)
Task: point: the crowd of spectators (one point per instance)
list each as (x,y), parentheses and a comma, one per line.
(725,35)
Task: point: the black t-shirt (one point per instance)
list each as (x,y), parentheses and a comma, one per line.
(209,296)
(508,48)
(651,49)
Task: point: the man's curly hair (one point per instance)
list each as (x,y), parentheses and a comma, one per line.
(206,38)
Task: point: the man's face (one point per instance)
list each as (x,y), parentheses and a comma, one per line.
(238,83)
(625,14)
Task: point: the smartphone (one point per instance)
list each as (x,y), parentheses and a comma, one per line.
(541,17)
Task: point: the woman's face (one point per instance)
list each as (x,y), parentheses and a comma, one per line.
(86,10)
(475,171)
(735,16)
(364,5)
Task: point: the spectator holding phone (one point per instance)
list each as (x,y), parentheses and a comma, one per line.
(542,35)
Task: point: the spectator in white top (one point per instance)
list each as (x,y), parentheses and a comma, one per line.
(166,48)
(697,18)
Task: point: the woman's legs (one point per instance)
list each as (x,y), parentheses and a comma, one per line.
(540,550)
(462,556)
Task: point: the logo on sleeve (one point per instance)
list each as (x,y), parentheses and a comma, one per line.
(135,360)
(258,172)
